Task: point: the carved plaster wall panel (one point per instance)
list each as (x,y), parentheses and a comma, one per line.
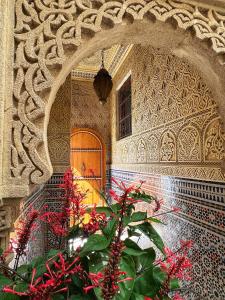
(176,128)
(48,32)
(214,141)
(189,145)
(59,129)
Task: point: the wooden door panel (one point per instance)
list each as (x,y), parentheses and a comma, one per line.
(88,163)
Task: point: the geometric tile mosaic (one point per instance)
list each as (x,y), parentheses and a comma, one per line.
(202,219)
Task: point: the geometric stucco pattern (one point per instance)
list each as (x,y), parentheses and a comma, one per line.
(176,129)
(48,32)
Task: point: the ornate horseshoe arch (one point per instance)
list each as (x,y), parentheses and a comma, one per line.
(47,32)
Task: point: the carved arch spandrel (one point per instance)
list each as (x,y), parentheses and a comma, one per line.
(47,33)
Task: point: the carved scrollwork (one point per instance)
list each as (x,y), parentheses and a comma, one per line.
(189,145)
(124,154)
(168,146)
(153,148)
(45,29)
(214,142)
(141,152)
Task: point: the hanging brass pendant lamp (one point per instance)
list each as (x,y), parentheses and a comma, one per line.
(103,83)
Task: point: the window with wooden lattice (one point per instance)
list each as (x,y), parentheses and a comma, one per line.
(124,109)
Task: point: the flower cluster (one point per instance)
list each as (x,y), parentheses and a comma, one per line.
(96,222)
(53,281)
(176,265)
(23,232)
(56,222)
(73,198)
(112,273)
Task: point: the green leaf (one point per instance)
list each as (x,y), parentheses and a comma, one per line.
(37,261)
(58,297)
(132,248)
(95,242)
(174,284)
(53,252)
(138,216)
(159,275)
(23,269)
(155,220)
(126,220)
(145,283)
(1,251)
(77,281)
(4,281)
(21,287)
(4,296)
(126,288)
(142,196)
(81,297)
(147,258)
(116,208)
(74,232)
(133,252)
(109,230)
(135,296)
(40,270)
(131,231)
(152,234)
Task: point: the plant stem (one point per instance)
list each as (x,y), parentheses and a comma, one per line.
(12,271)
(164,213)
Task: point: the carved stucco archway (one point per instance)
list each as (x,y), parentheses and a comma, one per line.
(51,36)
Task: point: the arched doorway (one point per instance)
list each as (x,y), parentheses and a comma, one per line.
(87,155)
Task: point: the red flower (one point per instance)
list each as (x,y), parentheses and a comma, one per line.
(176,265)
(23,232)
(73,198)
(176,209)
(96,280)
(97,220)
(52,281)
(177,297)
(158,204)
(56,221)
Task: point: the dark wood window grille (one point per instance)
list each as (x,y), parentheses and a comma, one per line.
(124,109)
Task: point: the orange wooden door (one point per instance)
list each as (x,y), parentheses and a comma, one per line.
(88,163)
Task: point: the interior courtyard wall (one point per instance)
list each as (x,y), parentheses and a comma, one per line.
(176,128)
(177,148)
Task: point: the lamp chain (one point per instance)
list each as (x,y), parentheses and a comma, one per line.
(103,59)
